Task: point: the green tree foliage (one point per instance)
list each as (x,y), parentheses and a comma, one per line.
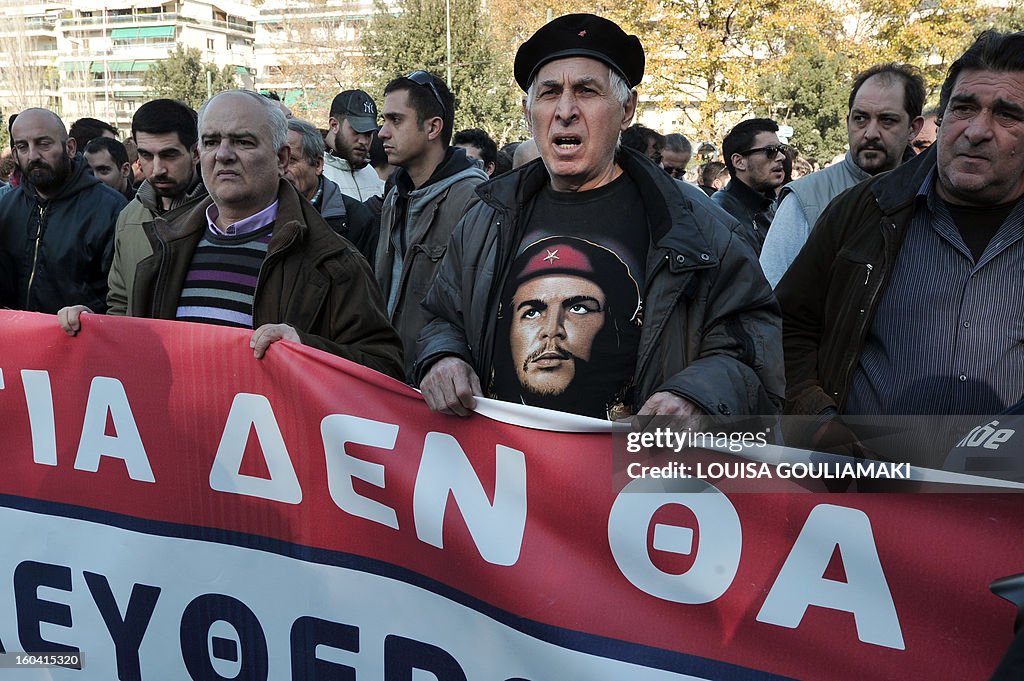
(810,92)
(183,75)
(1007,19)
(929,34)
(481,79)
(708,56)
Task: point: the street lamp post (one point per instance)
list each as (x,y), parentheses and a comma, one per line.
(448,40)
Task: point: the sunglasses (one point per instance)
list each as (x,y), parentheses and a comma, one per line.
(675,172)
(770,151)
(426,80)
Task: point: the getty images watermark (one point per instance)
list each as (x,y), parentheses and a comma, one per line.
(753,470)
(670,449)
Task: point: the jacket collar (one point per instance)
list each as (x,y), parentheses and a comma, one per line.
(293,217)
(79,177)
(670,214)
(897,188)
(854,169)
(754,201)
(337,162)
(331,203)
(455,166)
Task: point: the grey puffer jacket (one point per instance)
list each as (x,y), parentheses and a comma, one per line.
(712,330)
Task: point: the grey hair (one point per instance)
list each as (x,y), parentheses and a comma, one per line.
(276,121)
(620,89)
(312,142)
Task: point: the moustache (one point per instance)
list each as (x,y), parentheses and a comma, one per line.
(558,351)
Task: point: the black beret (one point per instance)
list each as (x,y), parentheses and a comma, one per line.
(581,35)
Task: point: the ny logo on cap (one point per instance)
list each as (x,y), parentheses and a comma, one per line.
(582,34)
(368,107)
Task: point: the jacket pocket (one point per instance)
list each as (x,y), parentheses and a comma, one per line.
(851,282)
(434,253)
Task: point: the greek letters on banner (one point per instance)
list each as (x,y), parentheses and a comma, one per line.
(173,508)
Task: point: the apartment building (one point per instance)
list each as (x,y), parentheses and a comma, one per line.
(88,58)
(309,50)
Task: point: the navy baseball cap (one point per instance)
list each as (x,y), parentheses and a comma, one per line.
(358,108)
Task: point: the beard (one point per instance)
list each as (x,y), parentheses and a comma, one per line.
(171,191)
(357,163)
(879,162)
(348,153)
(578,397)
(44,176)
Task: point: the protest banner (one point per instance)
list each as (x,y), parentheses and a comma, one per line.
(173,508)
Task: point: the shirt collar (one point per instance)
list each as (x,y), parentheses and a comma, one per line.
(244,226)
(926,192)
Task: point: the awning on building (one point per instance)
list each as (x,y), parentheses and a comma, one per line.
(144,32)
(121,66)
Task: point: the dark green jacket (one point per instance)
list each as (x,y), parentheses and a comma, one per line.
(429,216)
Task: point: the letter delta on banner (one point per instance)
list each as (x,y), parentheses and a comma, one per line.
(172,508)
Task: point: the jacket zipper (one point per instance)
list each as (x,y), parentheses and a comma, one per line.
(646,351)
(407,257)
(35,254)
(847,378)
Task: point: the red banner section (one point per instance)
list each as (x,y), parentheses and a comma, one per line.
(174,508)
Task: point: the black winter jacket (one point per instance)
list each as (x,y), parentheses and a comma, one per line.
(712,331)
(57,252)
(831,291)
(349,218)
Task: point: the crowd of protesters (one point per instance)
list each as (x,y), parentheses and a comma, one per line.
(600,268)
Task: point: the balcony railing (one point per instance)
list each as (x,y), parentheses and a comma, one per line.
(129,48)
(162,17)
(120,19)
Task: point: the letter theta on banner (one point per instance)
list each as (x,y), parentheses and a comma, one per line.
(222,639)
(865,593)
(716,556)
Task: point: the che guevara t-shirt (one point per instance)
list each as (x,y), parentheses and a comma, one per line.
(571,308)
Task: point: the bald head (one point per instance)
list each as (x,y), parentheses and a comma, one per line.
(525,152)
(42,149)
(243,152)
(41,118)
